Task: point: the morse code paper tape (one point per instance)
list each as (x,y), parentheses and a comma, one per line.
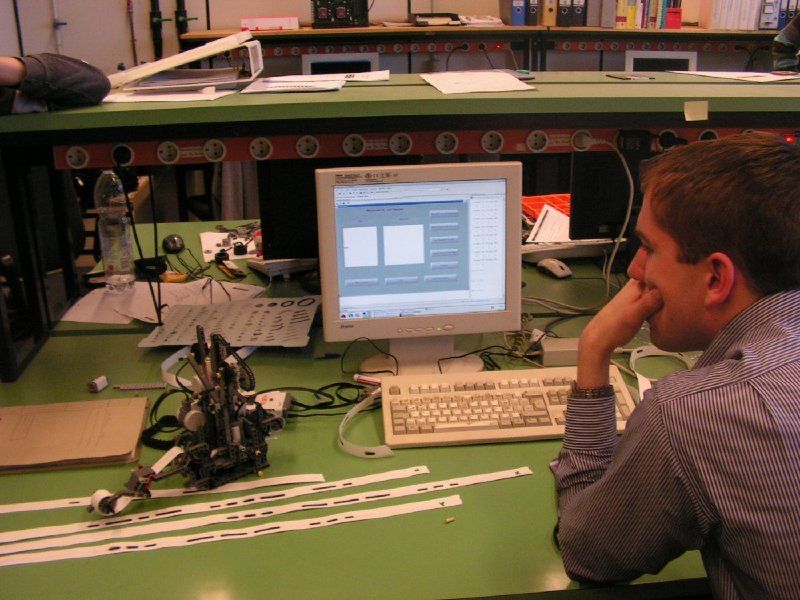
(239,486)
(228,534)
(188,509)
(235,517)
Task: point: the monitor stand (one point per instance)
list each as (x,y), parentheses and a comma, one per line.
(421,355)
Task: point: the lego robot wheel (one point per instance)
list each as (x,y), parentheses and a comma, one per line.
(100,504)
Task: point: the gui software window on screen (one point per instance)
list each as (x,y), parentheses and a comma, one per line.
(420,248)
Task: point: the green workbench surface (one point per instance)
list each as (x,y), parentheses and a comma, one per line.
(582,94)
(500,542)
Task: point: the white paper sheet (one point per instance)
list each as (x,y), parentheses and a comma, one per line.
(101,306)
(748,76)
(263,86)
(462,82)
(318,77)
(97,306)
(206,94)
(695,110)
(551,226)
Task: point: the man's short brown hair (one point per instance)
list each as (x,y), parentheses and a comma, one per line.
(739,195)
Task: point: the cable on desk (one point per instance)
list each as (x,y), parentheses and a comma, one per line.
(375,346)
(331,397)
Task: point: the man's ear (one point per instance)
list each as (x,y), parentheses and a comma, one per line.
(721,279)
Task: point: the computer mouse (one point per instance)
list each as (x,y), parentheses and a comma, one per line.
(173,244)
(554,267)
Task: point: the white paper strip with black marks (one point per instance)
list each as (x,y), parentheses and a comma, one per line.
(161,527)
(229,534)
(238,486)
(189,509)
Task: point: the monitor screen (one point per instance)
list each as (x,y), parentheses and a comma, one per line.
(345,62)
(660,60)
(418,254)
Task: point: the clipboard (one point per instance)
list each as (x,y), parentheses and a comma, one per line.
(187,80)
(130,79)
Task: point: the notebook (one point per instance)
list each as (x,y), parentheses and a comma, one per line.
(66,434)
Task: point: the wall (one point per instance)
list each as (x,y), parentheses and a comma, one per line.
(98,31)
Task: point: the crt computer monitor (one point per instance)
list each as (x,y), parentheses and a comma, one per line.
(418,254)
(660,60)
(344,62)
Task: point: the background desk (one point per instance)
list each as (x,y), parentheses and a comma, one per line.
(499,544)
(534,43)
(385,122)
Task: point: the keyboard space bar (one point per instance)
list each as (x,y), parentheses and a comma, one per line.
(466,426)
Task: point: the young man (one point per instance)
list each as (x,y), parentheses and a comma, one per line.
(710,459)
(41,82)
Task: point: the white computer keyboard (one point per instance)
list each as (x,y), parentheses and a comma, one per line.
(477,408)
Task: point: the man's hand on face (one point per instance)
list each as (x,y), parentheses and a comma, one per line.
(614,326)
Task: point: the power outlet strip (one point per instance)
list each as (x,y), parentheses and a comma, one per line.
(559,352)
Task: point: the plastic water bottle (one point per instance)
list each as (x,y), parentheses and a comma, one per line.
(114,231)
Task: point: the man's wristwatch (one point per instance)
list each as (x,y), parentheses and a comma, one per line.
(604,391)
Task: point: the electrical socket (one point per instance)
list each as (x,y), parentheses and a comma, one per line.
(260,148)
(709,134)
(214,150)
(122,155)
(492,142)
(537,141)
(168,152)
(77,157)
(307,146)
(581,140)
(400,143)
(354,145)
(446,142)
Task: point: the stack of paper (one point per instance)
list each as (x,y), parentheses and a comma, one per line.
(47,436)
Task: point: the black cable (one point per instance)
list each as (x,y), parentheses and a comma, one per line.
(514,59)
(366,339)
(488,58)
(332,397)
(484,354)
(19,28)
(449,54)
(152,191)
(549,327)
(129,209)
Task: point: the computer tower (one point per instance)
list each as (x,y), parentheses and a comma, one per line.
(288,202)
(39,228)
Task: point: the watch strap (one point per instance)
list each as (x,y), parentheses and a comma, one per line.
(604,391)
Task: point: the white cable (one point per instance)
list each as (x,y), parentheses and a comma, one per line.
(381,451)
(631,192)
